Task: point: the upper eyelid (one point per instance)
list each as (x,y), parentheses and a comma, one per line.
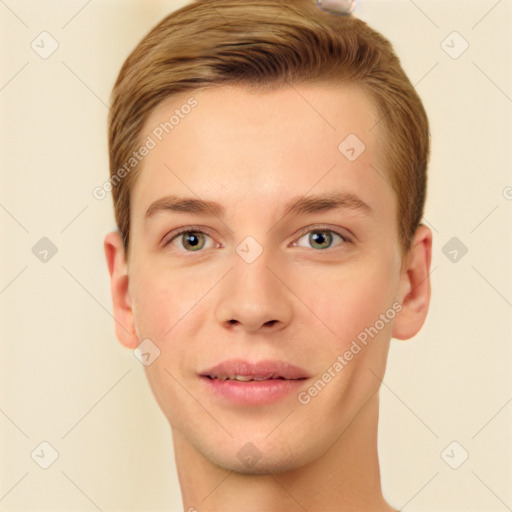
(182,231)
(321,227)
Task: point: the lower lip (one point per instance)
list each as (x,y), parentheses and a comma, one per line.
(253,392)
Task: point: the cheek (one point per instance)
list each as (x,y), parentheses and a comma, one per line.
(162,301)
(350,301)
(164,304)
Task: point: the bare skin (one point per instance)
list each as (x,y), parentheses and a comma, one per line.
(299,301)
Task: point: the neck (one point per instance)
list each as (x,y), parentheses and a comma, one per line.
(345,478)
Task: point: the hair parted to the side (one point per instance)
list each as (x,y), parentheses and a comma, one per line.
(270,44)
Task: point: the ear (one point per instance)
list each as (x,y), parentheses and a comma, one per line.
(414,294)
(118,269)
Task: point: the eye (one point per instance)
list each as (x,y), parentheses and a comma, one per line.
(321,238)
(192,240)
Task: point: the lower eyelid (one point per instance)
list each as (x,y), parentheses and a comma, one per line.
(344,239)
(184,232)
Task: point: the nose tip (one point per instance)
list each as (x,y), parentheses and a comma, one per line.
(255,326)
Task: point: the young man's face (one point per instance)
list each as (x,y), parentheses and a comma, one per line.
(260,285)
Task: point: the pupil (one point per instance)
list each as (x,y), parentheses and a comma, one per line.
(192,240)
(318,236)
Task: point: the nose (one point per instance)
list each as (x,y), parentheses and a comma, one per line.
(254,297)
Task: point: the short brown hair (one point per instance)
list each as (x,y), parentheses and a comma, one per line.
(270,43)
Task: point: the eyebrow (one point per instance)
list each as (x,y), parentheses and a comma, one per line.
(297,205)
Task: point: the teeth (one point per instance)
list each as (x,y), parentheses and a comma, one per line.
(241,378)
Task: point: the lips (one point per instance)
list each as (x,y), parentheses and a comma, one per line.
(246,371)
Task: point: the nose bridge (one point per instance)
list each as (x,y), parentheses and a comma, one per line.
(254,277)
(252,296)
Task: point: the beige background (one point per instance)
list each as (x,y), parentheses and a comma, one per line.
(67,381)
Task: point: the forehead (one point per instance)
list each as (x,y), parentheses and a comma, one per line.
(255,148)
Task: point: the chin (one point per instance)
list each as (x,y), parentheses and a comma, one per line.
(257,456)
(273,464)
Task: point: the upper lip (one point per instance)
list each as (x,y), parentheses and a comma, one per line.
(261,370)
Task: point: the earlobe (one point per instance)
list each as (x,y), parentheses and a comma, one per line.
(415,286)
(121,301)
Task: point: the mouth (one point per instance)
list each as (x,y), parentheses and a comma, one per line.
(245,383)
(247,378)
(247,371)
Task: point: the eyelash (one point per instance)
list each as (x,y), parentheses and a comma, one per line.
(318,228)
